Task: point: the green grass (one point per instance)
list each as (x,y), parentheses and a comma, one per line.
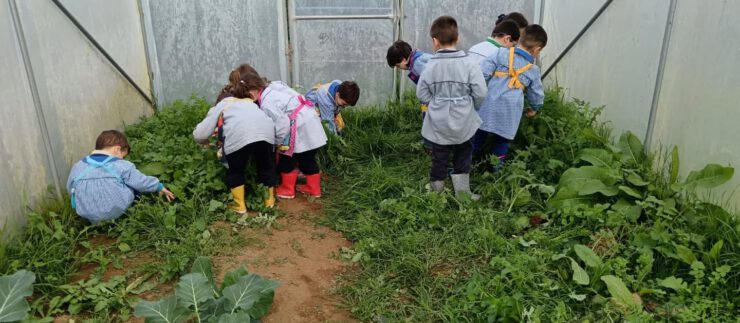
(433,257)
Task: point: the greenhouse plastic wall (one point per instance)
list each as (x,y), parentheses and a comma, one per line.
(697,107)
(617,61)
(79,93)
(344,40)
(193,45)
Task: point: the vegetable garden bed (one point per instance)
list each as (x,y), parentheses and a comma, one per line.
(575,227)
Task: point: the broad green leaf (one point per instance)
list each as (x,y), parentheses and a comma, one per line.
(596,157)
(152,169)
(630,191)
(674,165)
(244,293)
(579,275)
(712,175)
(203,266)
(619,291)
(591,186)
(587,255)
(716,248)
(629,211)
(232,277)
(214,205)
(162,311)
(674,283)
(568,197)
(685,254)
(575,176)
(240,317)
(631,149)
(636,179)
(263,305)
(13,292)
(193,290)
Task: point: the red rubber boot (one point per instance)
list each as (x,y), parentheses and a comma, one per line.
(313,185)
(286,190)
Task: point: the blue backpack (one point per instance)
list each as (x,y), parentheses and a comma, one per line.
(93,164)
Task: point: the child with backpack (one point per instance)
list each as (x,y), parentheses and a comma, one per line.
(304,139)
(509,73)
(102,186)
(247,132)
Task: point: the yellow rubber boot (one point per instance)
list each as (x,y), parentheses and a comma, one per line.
(237,194)
(270,199)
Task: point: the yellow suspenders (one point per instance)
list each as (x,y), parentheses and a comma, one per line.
(513,73)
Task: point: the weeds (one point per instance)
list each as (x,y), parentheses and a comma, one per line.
(575,227)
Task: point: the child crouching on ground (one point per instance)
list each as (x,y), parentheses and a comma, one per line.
(304,139)
(247,132)
(102,186)
(510,71)
(453,86)
(330,98)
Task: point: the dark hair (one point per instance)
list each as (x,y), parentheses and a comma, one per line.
(508,27)
(248,82)
(444,29)
(534,36)
(235,77)
(517,17)
(111,138)
(399,51)
(349,91)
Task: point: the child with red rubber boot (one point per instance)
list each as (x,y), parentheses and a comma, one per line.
(304,139)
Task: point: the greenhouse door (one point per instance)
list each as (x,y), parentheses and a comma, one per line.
(343,39)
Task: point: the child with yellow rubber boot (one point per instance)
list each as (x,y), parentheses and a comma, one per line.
(509,73)
(246,132)
(330,98)
(304,139)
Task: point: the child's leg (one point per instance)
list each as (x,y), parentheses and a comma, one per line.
(286,164)
(307,162)
(462,158)
(265,159)
(479,139)
(500,147)
(237,163)
(440,160)
(235,177)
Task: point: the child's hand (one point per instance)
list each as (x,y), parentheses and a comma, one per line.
(531,113)
(167,194)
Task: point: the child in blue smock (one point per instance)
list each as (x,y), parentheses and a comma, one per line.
(330,98)
(103,185)
(509,72)
(402,56)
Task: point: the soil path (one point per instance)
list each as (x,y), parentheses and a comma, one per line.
(303,256)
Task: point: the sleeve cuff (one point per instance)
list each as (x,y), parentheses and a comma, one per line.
(160,187)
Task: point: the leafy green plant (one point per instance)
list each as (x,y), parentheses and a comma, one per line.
(13,292)
(240,298)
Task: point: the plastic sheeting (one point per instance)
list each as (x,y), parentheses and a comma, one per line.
(345,49)
(80,94)
(195,44)
(697,107)
(617,61)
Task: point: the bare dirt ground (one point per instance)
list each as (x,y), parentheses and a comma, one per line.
(303,256)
